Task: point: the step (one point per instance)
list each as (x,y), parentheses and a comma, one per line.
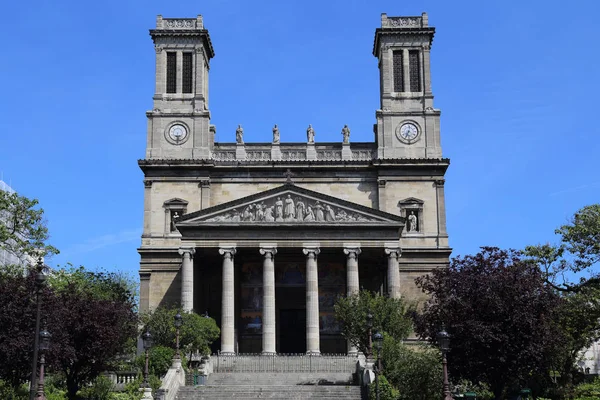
(269,392)
(278,379)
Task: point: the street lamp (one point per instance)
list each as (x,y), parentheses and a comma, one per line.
(40,281)
(178,322)
(147,339)
(378,339)
(443,339)
(370,342)
(44,345)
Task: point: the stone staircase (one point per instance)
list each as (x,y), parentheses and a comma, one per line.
(324,378)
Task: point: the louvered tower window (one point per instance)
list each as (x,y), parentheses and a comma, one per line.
(398,70)
(171,72)
(415,71)
(186,83)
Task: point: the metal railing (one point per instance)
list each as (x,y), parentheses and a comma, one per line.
(283,363)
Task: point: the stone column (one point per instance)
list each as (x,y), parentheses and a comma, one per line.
(393,272)
(187,278)
(312,301)
(227,303)
(268,309)
(352,287)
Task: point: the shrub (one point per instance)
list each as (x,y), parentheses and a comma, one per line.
(588,391)
(415,370)
(100,389)
(160,359)
(386,391)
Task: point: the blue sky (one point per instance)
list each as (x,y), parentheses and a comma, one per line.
(517,84)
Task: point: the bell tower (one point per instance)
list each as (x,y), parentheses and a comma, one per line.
(407,124)
(179,123)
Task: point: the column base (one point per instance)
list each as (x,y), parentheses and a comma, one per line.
(227,353)
(268,353)
(313,353)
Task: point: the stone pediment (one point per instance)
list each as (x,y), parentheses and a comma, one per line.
(289,204)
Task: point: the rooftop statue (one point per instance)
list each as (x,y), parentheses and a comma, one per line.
(310,134)
(239,135)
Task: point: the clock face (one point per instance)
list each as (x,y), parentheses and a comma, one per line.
(409,132)
(177,132)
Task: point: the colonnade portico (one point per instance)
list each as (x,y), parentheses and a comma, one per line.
(269,328)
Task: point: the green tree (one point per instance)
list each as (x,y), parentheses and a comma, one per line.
(569,268)
(196,333)
(23,228)
(390,316)
(578,253)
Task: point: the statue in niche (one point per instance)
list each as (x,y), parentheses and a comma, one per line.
(276,134)
(310,134)
(346,134)
(279,210)
(329,213)
(239,135)
(310,215)
(412,222)
(300,207)
(269,214)
(290,210)
(174,218)
(319,215)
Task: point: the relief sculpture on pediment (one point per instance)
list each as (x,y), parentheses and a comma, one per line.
(288,209)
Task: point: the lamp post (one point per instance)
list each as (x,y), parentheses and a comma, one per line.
(370,342)
(45,337)
(40,281)
(147,339)
(178,322)
(443,339)
(378,339)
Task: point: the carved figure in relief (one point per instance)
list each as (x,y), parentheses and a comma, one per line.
(346,134)
(260,212)
(412,222)
(236,215)
(248,214)
(275,134)
(290,209)
(310,215)
(319,215)
(269,214)
(329,213)
(300,207)
(239,135)
(310,134)
(279,210)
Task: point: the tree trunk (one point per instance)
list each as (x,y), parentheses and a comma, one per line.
(72,387)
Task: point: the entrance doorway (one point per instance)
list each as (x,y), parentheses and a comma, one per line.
(292,332)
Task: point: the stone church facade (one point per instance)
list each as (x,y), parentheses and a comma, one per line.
(265,236)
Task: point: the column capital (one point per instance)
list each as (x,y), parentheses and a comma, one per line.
(268,251)
(311,250)
(227,252)
(393,252)
(352,252)
(187,250)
